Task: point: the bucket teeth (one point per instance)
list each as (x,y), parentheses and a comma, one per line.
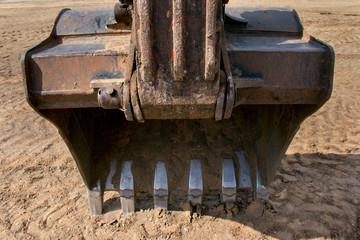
(228,181)
(160,186)
(244,179)
(96,199)
(195,193)
(127,188)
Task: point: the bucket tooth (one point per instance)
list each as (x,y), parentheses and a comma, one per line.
(113,167)
(160,186)
(228,181)
(244,179)
(96,199)
(127,188)
(195,193)
(261,191)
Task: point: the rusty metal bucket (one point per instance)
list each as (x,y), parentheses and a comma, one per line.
(210,101)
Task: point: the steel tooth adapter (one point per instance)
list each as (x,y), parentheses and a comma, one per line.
(195,192)
(160,186)
(127,195)
(228,181)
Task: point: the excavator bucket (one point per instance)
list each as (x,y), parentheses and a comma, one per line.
(177,101)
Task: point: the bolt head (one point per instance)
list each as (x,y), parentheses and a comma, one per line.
(109,91)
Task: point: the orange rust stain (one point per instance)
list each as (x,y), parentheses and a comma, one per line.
(152,56)
(183,20)
(172,55)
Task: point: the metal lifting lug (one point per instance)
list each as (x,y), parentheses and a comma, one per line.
(110,98)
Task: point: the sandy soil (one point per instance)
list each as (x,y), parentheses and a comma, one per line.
(315,194)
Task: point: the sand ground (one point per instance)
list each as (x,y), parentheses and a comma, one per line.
(315,193)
